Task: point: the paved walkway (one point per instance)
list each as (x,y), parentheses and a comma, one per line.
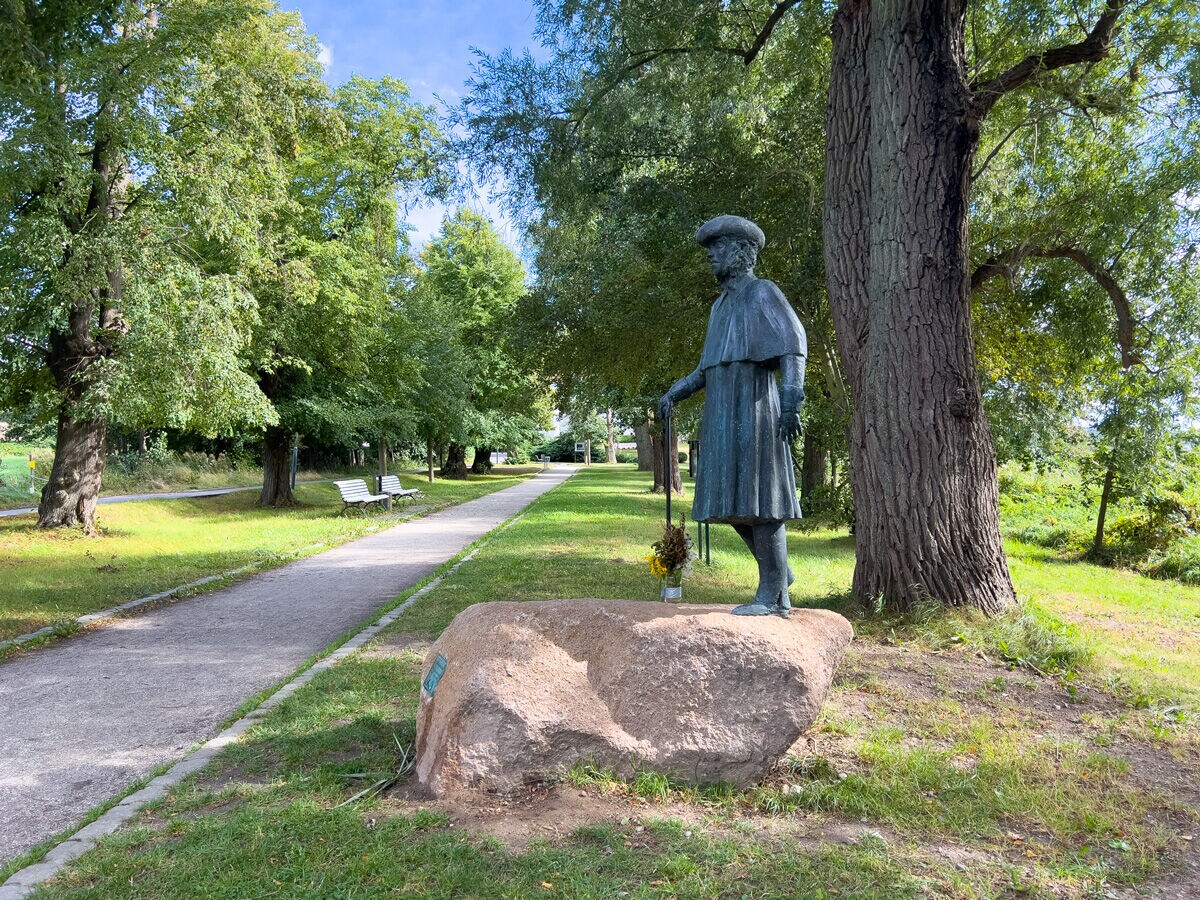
(86,718)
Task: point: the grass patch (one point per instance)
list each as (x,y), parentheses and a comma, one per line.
(266,820)
(14,472)
(50,577)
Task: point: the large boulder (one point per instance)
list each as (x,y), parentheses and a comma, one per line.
(519,692)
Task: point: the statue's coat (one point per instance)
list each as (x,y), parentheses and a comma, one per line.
(745,473)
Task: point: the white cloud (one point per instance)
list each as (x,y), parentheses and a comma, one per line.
(325,55)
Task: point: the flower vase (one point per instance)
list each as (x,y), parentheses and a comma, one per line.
(672,588)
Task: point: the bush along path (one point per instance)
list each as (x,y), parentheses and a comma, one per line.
(87,720)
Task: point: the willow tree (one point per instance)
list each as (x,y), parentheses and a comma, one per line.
(913,87)
(136,137)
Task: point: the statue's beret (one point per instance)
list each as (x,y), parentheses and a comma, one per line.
(730,226)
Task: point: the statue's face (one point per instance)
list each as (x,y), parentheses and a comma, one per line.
(720,256)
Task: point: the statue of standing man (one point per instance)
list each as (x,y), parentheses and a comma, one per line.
(745,475)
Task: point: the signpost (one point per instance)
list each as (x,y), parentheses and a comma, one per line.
(32,466)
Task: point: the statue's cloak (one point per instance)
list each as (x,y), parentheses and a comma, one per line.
(752,323)
(745,473)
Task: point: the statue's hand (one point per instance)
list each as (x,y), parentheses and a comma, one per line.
(789,427)
(665,405)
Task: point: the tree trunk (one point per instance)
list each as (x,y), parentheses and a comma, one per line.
(429,459)
(142,441)
(813,475)
(455,465)
(645,448)
(900,139)
(383,461)
(276,461)
(1097,550)
(482,463)
(673,459)
(610,443)
(87,338)
(69,497)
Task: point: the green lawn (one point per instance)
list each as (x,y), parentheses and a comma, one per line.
(936,769)
(50,577)
(14,473)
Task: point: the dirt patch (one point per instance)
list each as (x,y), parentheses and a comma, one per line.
(552,813)
(236,774)
(397,645)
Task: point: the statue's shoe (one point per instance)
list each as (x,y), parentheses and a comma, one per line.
(753,609)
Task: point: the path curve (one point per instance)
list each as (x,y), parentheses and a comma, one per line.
(86,719)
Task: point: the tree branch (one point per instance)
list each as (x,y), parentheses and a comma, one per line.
(1006,264)
(645,57)
(764,33)
(1092,48)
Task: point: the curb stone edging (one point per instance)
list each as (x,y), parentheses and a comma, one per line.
(24,881)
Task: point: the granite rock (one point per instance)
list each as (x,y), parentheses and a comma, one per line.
(530,689)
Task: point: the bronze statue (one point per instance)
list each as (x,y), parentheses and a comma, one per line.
(745,475)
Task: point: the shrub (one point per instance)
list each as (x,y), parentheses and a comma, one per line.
(1181,561)
(627,456)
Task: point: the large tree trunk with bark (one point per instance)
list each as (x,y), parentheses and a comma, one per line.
(482,463)
(89,337)
(276,462)
(901,136)
(645,447)
(69,497)
(455,464)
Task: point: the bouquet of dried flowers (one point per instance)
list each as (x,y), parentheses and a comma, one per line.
(672,555)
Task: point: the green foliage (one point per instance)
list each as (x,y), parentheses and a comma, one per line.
(1155,529)
(329,346)
(138,139)
(474,385)
(614,171)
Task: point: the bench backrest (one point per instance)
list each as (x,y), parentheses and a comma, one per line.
(392,483)
(354,490)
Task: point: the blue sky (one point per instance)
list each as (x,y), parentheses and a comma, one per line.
(425,43)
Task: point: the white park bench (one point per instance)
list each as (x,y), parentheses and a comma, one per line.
(355,493)
(393,488)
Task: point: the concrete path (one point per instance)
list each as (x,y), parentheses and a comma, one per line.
(86,718)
